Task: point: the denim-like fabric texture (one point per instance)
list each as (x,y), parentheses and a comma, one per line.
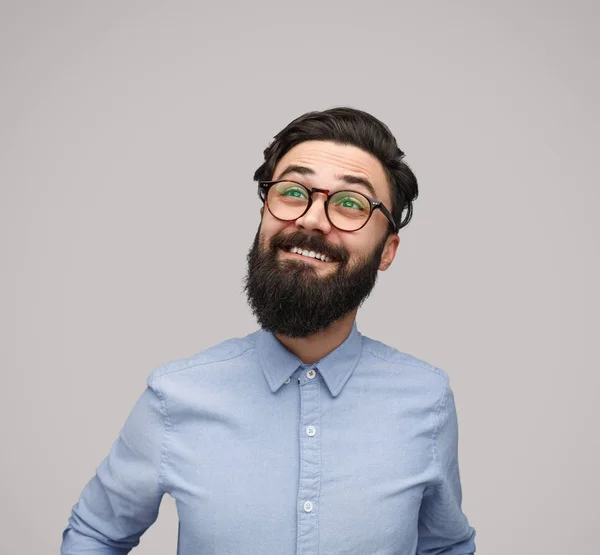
(356,454)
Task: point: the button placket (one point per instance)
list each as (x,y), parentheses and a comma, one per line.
(310,463)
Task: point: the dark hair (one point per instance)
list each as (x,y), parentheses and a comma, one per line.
(352,127)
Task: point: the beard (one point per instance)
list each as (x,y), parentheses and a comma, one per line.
(291,298)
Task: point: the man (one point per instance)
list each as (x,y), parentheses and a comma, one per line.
(305,436)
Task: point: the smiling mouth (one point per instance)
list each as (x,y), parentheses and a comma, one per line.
(306,254)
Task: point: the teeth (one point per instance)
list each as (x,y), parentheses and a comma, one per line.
(310,254)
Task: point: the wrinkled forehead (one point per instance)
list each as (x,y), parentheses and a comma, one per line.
(326,164)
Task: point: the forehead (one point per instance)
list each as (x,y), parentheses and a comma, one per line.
(329,160)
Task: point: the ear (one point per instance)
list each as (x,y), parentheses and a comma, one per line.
(389,252)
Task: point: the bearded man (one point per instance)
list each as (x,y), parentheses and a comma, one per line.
(305,436)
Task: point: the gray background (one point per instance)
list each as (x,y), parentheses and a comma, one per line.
(120,121)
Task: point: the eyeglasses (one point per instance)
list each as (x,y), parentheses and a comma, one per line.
(346,210)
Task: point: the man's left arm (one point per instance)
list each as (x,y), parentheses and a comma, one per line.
(443,527)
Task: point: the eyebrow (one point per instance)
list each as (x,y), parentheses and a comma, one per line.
(349,179)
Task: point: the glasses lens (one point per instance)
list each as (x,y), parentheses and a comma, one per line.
(287,200)
(349,210)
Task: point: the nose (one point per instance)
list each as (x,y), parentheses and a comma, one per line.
(315,218)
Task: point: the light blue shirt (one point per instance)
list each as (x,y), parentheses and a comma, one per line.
(356,454)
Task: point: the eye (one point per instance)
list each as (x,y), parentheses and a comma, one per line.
(350,202)
(298,193)
(290,191)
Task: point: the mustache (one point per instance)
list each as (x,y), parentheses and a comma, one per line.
(308,242)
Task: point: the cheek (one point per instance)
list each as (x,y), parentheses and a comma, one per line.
(269,222)
(269,227)
(360,249)
(356,246)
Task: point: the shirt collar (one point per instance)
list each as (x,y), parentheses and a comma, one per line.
(278,364)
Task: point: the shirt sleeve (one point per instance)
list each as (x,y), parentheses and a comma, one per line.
(122,500)
(443,527)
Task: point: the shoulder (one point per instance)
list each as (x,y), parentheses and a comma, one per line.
(227,350)
(405,363)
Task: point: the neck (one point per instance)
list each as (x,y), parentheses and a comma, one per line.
(314,347)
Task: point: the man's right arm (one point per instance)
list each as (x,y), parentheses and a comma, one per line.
(122,500)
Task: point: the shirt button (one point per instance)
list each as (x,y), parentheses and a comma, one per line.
(311,374)
(311,431)
(287,381)
(308,506)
